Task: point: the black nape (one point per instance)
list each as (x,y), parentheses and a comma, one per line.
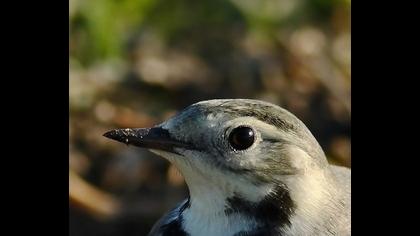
(272,212)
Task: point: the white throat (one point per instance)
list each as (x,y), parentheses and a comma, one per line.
(208,194)
(206,214)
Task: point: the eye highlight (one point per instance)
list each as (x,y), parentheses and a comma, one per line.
(241,138)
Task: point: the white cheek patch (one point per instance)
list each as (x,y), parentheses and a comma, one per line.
(310,189)
(299,158)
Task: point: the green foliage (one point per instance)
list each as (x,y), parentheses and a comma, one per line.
(100,28)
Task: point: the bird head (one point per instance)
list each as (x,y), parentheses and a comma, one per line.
(237,151)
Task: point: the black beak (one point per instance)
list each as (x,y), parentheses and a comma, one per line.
(150,138)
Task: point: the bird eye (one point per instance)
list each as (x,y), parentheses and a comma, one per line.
(241,138)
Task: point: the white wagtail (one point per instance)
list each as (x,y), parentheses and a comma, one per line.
(252,168)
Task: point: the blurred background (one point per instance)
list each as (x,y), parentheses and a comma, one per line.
(134,63)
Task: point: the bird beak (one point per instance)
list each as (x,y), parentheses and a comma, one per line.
(150,138)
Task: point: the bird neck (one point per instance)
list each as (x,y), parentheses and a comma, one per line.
(210,194)
(317,198)
(220,207)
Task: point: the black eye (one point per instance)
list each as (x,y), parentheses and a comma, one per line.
(241,138)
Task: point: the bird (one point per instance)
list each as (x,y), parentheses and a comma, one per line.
(252,168)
